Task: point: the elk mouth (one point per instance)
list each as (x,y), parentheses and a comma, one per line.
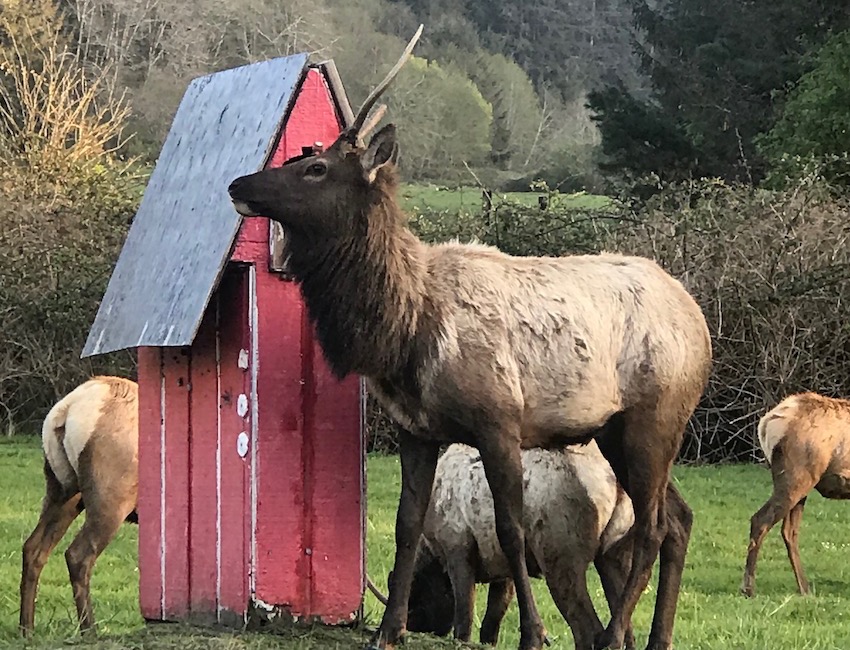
(244,208)
(242,205)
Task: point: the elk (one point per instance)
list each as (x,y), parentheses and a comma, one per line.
(463,343)
(806,441)
(90,441)
(575,513)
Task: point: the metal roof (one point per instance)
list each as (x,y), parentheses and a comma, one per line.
(182,235)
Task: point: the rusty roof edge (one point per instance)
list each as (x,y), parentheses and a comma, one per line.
(338,93)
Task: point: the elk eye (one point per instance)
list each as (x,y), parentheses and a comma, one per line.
(316,169)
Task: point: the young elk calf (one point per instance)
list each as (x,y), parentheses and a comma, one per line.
(90,440)
(575,513)
(806,440)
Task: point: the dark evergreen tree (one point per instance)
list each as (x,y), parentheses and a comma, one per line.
(718,71)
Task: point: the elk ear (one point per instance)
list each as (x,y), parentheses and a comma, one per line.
(382,150)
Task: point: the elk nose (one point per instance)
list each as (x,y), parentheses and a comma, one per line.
(235,185)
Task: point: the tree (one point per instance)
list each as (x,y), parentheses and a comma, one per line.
(443,120)
(815,121)
(716,70)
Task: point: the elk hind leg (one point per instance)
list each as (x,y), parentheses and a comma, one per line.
(95,535)
(613,567)
(644,471)
(59,509)
(672,562)
(790,486)
(791,536)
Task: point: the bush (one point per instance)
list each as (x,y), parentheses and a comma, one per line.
(66,209)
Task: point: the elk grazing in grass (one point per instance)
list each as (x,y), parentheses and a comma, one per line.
(463,343)
(90,439)
(806,441)
(574,513)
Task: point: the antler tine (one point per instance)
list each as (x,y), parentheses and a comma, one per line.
(370,124)
(357,125)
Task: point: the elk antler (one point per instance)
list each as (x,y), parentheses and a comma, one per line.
(353,132)
(366,129)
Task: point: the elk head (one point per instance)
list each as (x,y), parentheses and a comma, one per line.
(326,193)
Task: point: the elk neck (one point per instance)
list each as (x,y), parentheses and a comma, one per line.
(365,291)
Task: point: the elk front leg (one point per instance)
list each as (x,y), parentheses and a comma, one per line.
(418,463)
(499,596)
(500,454)
(462,574)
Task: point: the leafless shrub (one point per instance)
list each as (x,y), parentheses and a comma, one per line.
(771,271)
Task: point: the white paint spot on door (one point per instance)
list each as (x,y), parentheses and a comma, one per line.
(243,359)
(242,405)
(242,444)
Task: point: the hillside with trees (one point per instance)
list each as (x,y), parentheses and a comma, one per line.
(717,131)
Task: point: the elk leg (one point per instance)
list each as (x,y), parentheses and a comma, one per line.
(644,471)
(568,586)
(791,535)
(499,597)
(789,488)
(613,566)
(58,511)
(672,562)
(502,461)
(463,585)
(95,535)
(418,464)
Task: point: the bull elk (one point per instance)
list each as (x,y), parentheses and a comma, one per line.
(463,343)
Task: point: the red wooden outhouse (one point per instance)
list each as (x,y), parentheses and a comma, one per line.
(251,455)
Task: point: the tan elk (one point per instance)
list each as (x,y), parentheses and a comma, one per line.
(806,441)
(574,513)
(463,343)
(90,440)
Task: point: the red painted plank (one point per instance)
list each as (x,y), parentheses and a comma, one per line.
(235,512)
(337,499)
(306,558)
(280,560)
(176,373)
(203,449)
(252,244)
(150,464)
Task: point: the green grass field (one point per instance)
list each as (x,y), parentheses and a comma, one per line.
(711,613)
(432,197)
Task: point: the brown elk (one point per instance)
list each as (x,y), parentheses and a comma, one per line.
(462,343)
(574,513)
(90,440)
(806,441)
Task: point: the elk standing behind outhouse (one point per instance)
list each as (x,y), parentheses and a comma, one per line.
(251,460)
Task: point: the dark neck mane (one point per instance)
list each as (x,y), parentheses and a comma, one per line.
(365,292)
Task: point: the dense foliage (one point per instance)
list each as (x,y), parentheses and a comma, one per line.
(718,73)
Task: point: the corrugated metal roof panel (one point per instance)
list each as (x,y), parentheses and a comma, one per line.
(183,233)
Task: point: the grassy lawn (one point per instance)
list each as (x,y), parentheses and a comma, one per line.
(432,197)
(711,613)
